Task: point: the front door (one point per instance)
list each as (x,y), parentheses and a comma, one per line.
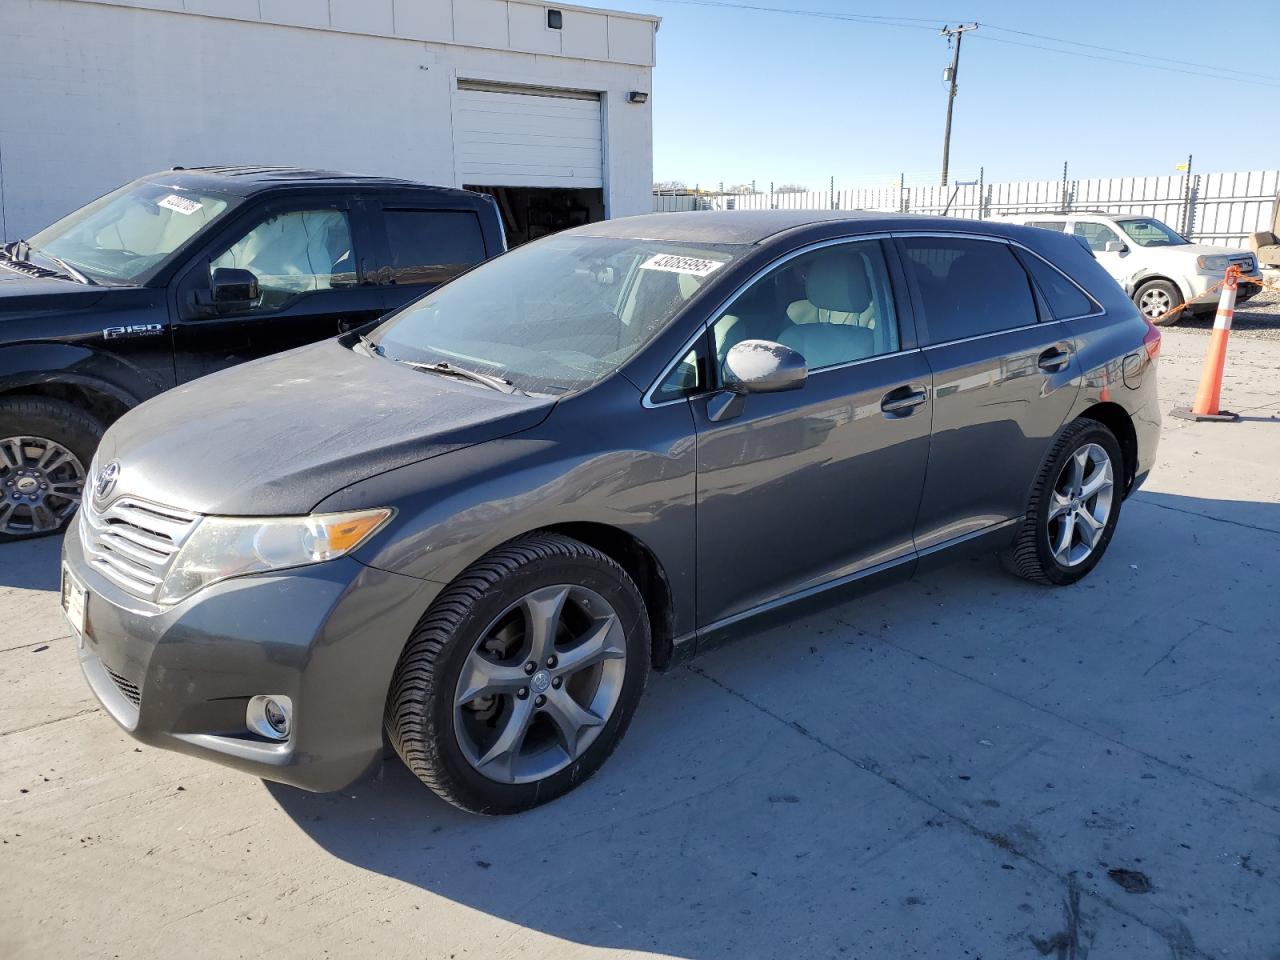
(798,490)
(306,257)
(1003,382)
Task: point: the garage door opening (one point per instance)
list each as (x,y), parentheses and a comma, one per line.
(532,212)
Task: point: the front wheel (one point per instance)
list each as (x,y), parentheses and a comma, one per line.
(45,449)
(1074,507)
(1156,298)
(522,677)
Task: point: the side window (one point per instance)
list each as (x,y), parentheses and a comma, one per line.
(833,305)
(1059,225)
(1096,235)
(684,379)
(432,246)
(969,287)
(294,253)
(1065,299)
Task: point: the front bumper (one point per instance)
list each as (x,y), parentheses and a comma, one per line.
(180,677)
(1249,286)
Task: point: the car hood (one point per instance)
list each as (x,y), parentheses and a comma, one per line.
(1197,250)
(20,293)
(277,436)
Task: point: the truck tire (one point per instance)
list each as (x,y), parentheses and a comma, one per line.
(46,446)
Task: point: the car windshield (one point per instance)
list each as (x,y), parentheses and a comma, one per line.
(127,235)
(1147,232)
(556,315)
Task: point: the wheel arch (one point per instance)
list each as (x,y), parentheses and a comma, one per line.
(102,401)
(643,566)
(1142,281)
(1116,419)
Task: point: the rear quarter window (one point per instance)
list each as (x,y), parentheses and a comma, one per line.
(1064,297)
(968,287)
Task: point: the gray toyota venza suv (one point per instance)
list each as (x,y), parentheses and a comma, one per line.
(474,529)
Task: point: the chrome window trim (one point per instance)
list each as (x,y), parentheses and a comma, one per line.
(649,403)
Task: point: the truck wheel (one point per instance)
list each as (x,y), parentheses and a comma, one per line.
(1155,298)
(1074,507)
(46,446)
(522,677)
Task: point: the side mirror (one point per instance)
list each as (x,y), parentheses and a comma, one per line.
(762,366)
(233,287)
(1116,246)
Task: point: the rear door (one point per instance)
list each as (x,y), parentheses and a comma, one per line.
(800,490)
(1004,373)
(306,253)
(422,245)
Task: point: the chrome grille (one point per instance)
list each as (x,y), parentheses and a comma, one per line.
(1246,264)
(126,687)
(132,543)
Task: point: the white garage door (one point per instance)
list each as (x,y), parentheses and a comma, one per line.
(526,136)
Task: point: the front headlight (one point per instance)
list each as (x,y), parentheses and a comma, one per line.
(1213,263)
(223,547)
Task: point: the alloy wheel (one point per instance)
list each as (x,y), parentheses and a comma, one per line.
(1081,505)
(1155,303)
(41,483)
(540,684)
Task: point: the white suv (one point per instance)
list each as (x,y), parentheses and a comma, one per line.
(1159,268)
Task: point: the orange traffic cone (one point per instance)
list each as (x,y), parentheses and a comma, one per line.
(1209,396)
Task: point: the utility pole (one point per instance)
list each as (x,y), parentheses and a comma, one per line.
(952,33)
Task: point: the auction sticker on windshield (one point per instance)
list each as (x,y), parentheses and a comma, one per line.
(179,204)
(671,263)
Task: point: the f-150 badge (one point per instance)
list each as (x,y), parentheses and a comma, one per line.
(135,330)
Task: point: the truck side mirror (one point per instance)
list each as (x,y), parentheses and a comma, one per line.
(234,288)
(1116,246)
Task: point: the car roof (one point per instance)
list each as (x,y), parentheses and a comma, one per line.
(244,181)
(760,226)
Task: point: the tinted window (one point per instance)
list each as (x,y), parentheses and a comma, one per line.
(833,305)
(294,253)
(432,246)
(969,287)
(1065,298)
(1096,235)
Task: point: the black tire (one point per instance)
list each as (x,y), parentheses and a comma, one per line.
(56,420)
(419,719)
(1158,292)
(1031,556)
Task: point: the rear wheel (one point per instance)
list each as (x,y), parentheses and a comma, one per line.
(1155,298)
(523,676)
(1074,507)
(46,446)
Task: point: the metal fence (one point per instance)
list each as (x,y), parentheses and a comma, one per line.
(1220,208)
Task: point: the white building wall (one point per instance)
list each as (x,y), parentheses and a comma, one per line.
(97,93)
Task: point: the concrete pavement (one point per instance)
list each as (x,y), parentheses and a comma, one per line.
(963,766)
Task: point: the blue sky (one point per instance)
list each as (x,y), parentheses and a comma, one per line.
(741,95)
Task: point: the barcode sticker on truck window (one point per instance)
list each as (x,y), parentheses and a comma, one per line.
(179,204)
(693,266)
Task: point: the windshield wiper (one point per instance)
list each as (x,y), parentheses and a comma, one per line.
(70,271)
(373,348)
(449,370)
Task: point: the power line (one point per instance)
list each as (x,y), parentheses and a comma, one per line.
(933,24)
(1130,53)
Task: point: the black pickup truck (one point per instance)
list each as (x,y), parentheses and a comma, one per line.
(182,273)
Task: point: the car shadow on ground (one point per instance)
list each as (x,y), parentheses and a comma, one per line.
(813,790)
(31,564)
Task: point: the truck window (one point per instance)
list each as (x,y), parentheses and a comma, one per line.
(432,246)
(294,253)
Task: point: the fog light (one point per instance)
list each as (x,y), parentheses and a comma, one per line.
(270,717)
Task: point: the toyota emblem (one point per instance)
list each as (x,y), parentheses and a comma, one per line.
(106,481)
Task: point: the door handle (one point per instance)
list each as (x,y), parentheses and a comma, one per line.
(903,401)
(1053,360)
